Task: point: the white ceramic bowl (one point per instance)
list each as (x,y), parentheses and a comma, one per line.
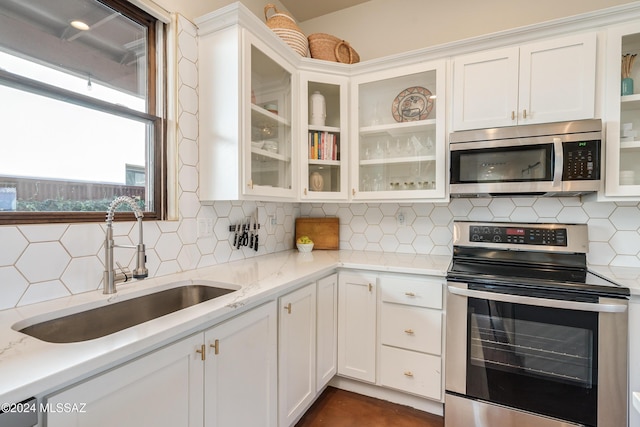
(305,247)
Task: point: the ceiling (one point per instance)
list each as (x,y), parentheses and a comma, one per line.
(108,52)
(303,10)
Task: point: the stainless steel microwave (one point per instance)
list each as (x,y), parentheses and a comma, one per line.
(552,159)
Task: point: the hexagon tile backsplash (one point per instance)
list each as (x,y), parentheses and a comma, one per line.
(42,262)
(426,228)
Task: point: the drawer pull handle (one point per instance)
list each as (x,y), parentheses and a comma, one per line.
(408,331)
(201,351)
(410,294)
(215,346)
(288,308)
(408,374)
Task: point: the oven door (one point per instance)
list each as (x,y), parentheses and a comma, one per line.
(492,167)
(555,358)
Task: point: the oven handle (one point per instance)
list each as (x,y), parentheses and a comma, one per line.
(543,302)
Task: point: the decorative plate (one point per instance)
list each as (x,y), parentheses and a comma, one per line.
(413,103)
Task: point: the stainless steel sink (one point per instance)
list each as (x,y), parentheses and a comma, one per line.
(105,320)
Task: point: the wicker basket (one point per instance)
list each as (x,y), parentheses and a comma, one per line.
(286,28)
(330,48)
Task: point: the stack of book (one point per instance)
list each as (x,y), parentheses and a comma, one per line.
(323,146)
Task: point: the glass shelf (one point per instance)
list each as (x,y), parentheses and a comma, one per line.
(393,160)
(400,159)
(270,124)
(269,154)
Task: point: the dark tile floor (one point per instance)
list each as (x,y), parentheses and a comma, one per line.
(339,408)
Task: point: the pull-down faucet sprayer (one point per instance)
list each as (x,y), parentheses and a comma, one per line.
(140,272)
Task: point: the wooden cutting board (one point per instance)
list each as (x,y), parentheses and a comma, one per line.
(325,232)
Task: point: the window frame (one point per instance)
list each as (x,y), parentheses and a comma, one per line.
(158,168)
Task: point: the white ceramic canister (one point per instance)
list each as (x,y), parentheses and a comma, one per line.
(317,109)
(316,182)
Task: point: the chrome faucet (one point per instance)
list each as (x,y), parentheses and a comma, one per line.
(124,275)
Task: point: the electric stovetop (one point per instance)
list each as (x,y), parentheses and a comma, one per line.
(527,258)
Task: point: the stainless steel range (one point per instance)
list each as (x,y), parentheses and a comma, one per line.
(534,339)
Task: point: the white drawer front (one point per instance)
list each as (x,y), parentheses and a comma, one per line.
(422,292)
(413,328)
(411,372)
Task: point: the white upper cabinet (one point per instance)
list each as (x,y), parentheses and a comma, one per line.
(247,118)
(548,81)
(324,115)
(398,133)
(623,115)
(485,88)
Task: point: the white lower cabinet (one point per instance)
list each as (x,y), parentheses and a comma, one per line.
(410,371)
(186,383)
(307,339)
(162,389)
(297,352)
(412,328)
(403,327)
(327,330)
(241,370)
(265,367)
(357,309)
(411,335)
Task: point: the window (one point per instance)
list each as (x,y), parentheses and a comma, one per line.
(80,110)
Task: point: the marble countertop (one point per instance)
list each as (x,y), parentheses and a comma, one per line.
(625,276)
(29,366)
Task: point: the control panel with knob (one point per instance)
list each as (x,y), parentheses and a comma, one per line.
(519,235)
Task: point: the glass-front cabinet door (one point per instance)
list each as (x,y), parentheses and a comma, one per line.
(623,112)
(398,134)
(269,157)
(322,141)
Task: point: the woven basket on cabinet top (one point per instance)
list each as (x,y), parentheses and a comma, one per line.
(286,28)
(331,48)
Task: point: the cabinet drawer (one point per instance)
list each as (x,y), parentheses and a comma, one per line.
(422,292)
(413,328)
(412,372)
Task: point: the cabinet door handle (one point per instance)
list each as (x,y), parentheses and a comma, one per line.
(408,331)
(513,115)
(408,374)
(203,356)
(288,308)
(215,346)
(410,294)
(305,191)
(370,287)
(524,114)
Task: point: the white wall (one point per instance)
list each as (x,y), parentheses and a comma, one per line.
(379,28)
(382,27)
